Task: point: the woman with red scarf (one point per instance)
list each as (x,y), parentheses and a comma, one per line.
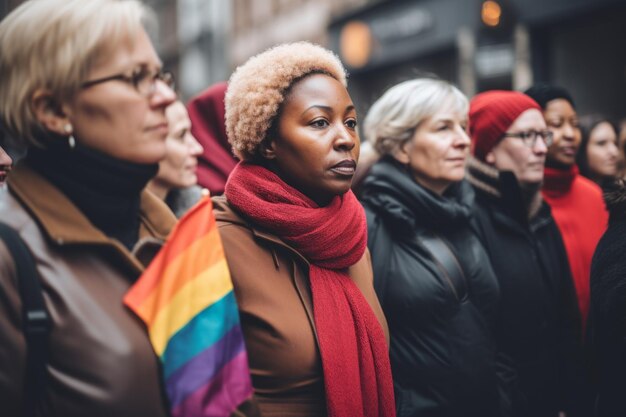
(295,239)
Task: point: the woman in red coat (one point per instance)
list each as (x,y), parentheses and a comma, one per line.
(577,204)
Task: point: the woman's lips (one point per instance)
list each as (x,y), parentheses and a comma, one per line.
(161,128)
(569,151)
(346,167)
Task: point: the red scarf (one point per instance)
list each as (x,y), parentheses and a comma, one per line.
(557,182)
(355,357)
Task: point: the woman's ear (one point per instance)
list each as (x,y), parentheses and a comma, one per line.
(490,158)
(266,149)
(49,112)
(401,154)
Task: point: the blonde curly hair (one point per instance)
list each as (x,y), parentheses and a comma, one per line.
(257,89)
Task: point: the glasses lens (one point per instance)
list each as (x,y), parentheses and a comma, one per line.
(548,137)
(168,78)
(528,138)
(143,81)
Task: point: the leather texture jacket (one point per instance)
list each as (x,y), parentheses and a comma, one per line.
(100,361)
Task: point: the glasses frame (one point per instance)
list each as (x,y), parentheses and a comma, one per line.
(166,77)
(547,136)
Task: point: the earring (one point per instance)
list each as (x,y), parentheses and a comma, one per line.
(70,139)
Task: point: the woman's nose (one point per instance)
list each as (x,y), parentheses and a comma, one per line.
(163,95)
(540,147)
(461,138)
(569,131)
(345,138)
(613,151)
(195,148)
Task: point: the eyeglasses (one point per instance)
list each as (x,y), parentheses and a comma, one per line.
(144,80)
(530,137)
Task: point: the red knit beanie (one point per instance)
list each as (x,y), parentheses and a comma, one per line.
(490,116)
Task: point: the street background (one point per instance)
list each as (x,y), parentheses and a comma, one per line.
(476,44)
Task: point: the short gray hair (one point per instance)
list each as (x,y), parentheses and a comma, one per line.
(52,44)
(393,118)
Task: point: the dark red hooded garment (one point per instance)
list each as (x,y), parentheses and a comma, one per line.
(206,112)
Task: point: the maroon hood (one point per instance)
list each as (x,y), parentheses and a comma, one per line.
(206,112)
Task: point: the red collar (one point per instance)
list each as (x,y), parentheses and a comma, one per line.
(557,182)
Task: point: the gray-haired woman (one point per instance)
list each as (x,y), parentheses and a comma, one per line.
(431,274)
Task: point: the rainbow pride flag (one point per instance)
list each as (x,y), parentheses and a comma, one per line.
(186,299)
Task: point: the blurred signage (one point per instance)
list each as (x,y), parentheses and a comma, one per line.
(392,32)
(494,60)
(382,36)
(403,24)
(355,43)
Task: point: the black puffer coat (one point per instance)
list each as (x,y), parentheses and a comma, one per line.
(538,325)
(607,316)
(442,349)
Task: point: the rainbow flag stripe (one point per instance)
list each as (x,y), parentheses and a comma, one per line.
(185,297)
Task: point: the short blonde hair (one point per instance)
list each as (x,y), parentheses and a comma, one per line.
(53,44)
(257,89)
(393,118)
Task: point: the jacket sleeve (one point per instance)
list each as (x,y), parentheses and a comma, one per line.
(12,342)
(248,408)
(506,371)
(483,284)
(379,245)
(575,390)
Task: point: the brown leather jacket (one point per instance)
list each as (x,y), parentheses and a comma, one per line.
(100,360)
(271,286)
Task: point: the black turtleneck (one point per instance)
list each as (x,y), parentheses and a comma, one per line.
(391,190)
(106,190)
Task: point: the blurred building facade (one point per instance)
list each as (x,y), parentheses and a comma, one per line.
(192,39)
(480,45)
(476,44)
(258,25)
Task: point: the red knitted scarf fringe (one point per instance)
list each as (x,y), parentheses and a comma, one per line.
(355,358)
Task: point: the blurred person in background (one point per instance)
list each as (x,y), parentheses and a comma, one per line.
(216,162)
(538,329)
(441,321)
(176,181)
(577,204)
(6,163)
(608,308)
(598,155)
(621,146)
(295,239)
(83,89)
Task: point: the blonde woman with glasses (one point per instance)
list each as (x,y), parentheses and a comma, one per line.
(84,90)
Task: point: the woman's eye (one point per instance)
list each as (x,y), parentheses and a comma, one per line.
(319,123)
(555,124)
(181,135)
(139,75)
(351,123)
(441,128)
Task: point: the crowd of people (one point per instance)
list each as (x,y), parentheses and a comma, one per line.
(471,266)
